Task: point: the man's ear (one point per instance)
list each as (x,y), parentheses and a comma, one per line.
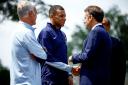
(30,13)
(91,17)
(51,16)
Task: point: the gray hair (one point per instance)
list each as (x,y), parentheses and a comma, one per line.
(24,7)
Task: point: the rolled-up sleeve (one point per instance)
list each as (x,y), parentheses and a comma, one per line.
(33,46)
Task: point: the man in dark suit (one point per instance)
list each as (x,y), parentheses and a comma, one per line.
(96,52)
(118,62)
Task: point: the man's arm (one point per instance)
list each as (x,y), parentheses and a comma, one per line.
(89,48)
(61,66)
(41,61)
(44,39)
(34,47)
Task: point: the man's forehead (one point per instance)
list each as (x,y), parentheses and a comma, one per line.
(58,10)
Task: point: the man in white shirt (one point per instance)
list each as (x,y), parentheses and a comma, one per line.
(26,51)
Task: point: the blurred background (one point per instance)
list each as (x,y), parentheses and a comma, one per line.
(74,28)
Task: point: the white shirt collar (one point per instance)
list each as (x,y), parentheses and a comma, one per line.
(96,25)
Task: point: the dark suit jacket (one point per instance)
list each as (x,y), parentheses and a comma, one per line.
(118,62)
(95,57)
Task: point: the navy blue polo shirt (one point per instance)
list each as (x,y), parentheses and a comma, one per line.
(55,42)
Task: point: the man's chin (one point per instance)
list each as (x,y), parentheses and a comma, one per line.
(34,23)
(62,25)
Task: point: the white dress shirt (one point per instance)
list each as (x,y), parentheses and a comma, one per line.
(24,70)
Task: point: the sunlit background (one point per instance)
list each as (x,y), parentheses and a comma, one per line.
(74,15)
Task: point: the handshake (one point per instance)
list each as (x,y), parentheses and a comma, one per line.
(75,69)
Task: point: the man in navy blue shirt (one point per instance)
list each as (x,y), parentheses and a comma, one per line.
(54,40)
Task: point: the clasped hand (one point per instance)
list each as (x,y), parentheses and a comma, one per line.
(75,69)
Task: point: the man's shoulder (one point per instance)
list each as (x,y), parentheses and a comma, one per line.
(97,30)
(46,29)
(20,29)
(114,39)
(63,33)
(100,30)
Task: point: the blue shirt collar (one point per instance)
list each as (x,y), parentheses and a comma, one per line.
(52,26)
(27,25)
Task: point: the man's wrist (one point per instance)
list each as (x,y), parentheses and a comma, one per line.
(70,75)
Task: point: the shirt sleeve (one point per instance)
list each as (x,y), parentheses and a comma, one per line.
(61,66)
(89,48)
(33,46)
(44,40)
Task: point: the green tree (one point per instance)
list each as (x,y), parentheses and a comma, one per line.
(119,26)
(4,75)
(8,9)
(77,39)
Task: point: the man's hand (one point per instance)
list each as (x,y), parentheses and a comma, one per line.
(76,70)
(39,60)
(70,59)
(33,57)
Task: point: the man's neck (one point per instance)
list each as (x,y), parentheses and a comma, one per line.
(26,21)
(56,26)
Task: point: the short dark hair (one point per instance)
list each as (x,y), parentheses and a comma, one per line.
(96,12)
(53,9)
